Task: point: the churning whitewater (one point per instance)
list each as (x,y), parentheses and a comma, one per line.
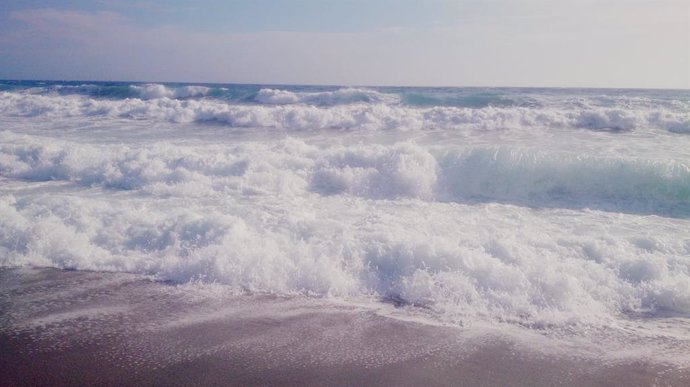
(555,209)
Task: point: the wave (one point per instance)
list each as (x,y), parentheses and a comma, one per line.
(122,91)
(467,98)
(239,94)
(370,116)
(363,220)
(497,262)
(326,98)
(153,91)
(513,212)
(538,177)
(582,99)
(405,170)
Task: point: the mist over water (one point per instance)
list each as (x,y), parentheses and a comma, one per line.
(557,209)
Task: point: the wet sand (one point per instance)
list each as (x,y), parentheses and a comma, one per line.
(84,328)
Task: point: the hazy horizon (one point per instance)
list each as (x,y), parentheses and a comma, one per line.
(527,43)
(317,85)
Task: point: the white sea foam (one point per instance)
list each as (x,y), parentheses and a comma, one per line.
(153,91)
(284,217)
(487,261)
(405,170)
(561,216)
(361,116)
(340,96)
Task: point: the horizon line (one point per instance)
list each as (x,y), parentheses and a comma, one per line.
(344,85)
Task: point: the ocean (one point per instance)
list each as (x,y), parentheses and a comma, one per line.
(560,214)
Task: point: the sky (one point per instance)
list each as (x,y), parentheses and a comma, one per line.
(539,43)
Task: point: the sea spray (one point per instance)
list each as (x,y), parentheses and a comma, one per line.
(558,210)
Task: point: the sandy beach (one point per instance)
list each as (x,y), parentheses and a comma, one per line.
(86,328)
(345,193)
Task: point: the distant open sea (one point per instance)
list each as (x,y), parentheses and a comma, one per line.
(558,212)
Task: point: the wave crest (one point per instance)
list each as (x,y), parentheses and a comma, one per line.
(326,98)
(405,170)
(370,116)
(153,91)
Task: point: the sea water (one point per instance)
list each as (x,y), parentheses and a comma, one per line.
(562,211)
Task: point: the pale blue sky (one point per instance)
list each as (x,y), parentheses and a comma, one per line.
(572,43)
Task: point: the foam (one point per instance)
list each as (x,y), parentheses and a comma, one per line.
(463,262)
(293,113)
(405,170)
(326,98)
(362,221)
(558,216)
(153,91)
(119,91)
(614,120)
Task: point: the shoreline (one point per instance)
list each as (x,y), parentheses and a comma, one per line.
(92,328)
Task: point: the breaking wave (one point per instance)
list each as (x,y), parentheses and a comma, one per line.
(545,208)
(295,219)
(283,114)
(326,98)
(509,175)
(153,91)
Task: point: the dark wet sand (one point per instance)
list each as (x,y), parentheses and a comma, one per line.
(82,328)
